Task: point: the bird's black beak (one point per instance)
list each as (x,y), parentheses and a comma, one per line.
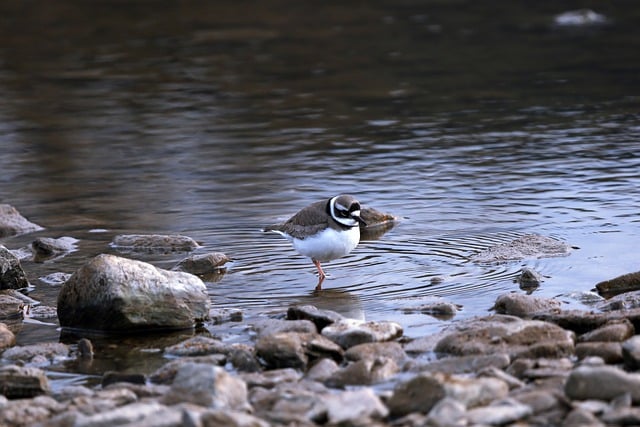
(356,215)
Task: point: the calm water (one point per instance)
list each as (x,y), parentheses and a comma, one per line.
(474,121)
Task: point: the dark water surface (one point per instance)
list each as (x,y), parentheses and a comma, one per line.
(474,121)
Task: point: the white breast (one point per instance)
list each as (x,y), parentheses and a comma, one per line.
(329,244)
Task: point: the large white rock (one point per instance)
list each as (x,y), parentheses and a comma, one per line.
(115,294)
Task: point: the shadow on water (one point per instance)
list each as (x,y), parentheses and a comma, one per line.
(474,121)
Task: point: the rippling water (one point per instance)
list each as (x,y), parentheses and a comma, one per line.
(475,122)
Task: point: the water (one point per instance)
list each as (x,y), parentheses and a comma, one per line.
(475,122)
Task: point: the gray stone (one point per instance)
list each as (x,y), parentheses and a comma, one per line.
(270,379)
(499,413)
(539,400)
(283,350)
(618,285)
(11,308)
(154,242)
(371,351)
(322,370)
(507,334)
(622,416)
(617,330)
(319,317)
(223,418)
(494,372)
(115,294)
(291,403)
(274,326)
(197,346)
(167,373)
(11,222)
(472,392)
(29,412)
(350,332)
(523,247)
(378,223)
(418,394)
(48,247)
(211,262)
(437,308)
(580,418)
(522,305)
(40,354)
(364,372)
(19,382)
(223,315)
(354,406)
(461,364)
(448,412)
(610,352)
(7,338)
(140,414)
(209,386)
(602,383)
(528,278)
(12,275)
(631,353)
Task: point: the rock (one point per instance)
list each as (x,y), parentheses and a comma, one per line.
(625,301)
(377,222)
(11,222)
(364,372)
(209,386)
(19,382)
(631,353)
(225,418)
(115,294)
(494,372)
(57,278)
(112,377)
(294,349)
(524,247)
(522,305)
(610,352)
(602,383)
(320,318)
(269,379)
(47,247)
(350,332)
(323,370)
(38,354)
(442,310)
(244,359)
(461,364)
(540,400)
(448,412)
(200,264)
(580,418)
(528,278)
(472,392)
(154,242)
(291,403)
(29,412)
(274,326)
(167,373)
(140,414)
(618,285)
(617,330)
(581,321)
(12,275)
(7,338)
(507,334)
(353,407)
(223,315)
(42,312)
(579,18)
(499,413)
(418,394)
(11,308)
(374,350)
(197,346)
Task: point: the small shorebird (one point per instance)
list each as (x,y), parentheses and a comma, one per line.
(324,231)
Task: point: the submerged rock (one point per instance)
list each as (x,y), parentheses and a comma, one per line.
(11,222)
(12,276)
(524,247)
(161,242)
(115,294)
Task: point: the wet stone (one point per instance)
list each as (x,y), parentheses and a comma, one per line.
(522,305)
(350,332)
(11,308)
(528,278)
(12,222)
(626,283)
(46,247)
(319,317)
(197,346)
(154,242)
(12,276)
(19,382)
(203,263)
(224,315)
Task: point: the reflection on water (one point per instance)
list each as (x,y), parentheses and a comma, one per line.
(474,122)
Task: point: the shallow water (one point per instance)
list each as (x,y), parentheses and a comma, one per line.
(475,122)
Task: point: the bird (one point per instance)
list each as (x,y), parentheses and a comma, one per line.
(324,230)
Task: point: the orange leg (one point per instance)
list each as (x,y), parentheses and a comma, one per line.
(321,275)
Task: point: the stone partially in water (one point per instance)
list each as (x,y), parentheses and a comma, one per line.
(350,332)
(521,305)
(152,242)
(12,275)
(528,278)
(524,247)
(11,222)
(202,264)
(378,223)
(618,285)
(48,247)
(115,294)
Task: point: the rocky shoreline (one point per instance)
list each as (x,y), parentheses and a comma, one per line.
(529,364)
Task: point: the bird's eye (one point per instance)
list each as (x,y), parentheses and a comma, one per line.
(343,214)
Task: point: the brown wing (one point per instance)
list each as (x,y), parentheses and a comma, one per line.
(308,221)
